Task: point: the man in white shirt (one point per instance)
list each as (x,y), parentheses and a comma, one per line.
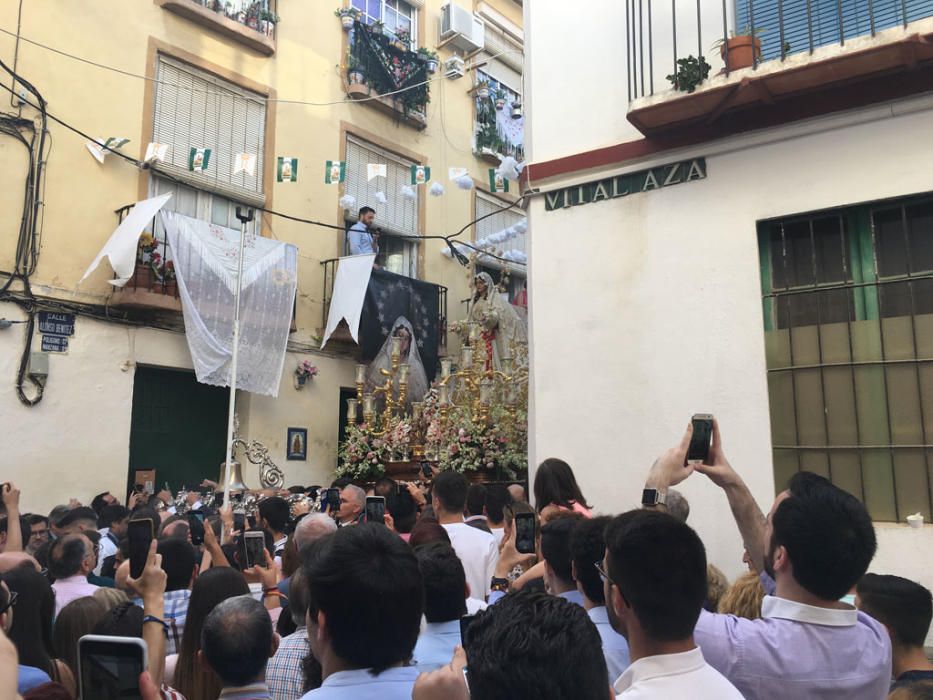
(445,591)
(71,559)
(654,582)
(362,238)
(365,600)
(476,549)
(588,545)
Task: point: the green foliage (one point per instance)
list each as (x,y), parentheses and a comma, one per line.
(691,71)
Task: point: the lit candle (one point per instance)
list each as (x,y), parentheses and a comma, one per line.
(368,405)
(485,392)
(474,332)
(352,410)
(396,346)
(403,374)
(360,374)
(442,396)
(466,357)
(445,367)
(416,407)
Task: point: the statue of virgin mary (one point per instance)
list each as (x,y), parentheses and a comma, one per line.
(500,324)
(408,353)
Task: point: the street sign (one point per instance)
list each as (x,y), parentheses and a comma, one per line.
(56,324)
(54,343)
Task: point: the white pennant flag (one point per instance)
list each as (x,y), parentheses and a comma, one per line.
(100,148)
(244,163)
(156,152)
(374,170)
(456,173)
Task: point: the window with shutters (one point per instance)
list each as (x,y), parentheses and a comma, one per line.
(398,216)
(394,14)
(498,219)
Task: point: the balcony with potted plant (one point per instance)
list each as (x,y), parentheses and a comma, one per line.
(249,22)
(498,127)
(782,60)
(384,71)
(153,285)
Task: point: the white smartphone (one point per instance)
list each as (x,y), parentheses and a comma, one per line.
(698,452)
(254,544)
(109,667)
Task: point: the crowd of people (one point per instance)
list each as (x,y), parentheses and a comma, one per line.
(435,601)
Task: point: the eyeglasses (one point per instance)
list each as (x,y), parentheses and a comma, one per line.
(602,573)
(39,533)
(10,603)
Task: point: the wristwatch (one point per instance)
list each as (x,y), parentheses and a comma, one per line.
(653,497)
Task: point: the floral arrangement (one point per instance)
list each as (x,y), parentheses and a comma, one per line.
(306,369)
(360,456)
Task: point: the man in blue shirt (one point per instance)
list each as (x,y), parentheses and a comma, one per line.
(445,593)
(365,601)
(558,567)
(362,238)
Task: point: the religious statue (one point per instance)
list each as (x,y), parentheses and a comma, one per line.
(499,323)
(408,354)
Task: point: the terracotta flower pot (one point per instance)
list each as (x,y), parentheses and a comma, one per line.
(741,54)
(347,22)
(141,278)
(356,76)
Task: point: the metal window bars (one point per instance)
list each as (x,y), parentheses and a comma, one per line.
(154,268)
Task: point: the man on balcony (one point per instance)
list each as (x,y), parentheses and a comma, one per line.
(363,239)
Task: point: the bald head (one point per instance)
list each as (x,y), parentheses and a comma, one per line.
(517,492)
(313,527)
(13,560)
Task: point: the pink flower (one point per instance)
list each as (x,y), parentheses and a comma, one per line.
(370,455)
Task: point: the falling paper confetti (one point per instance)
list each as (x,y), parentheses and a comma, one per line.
(408,192)
(381,197)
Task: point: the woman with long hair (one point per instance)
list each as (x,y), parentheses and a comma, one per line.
(32,625)
(73,622)
(555,485)
(210,589)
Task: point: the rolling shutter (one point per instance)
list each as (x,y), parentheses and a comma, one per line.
(398,215)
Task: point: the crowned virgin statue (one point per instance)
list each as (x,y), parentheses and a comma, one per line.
(408,354)
(500,325)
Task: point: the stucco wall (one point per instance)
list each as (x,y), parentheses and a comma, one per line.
(647,309)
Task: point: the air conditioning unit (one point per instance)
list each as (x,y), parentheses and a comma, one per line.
(461,29)
(454,67)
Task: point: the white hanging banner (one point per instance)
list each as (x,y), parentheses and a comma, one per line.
(121,247)
(346,303)
(374,170)
(205,257)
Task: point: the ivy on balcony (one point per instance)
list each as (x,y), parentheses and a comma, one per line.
(381,63)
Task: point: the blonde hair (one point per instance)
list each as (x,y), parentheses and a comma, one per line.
(111,597)
(716,585)
(744,597)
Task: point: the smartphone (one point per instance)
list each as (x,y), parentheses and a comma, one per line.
(698,452)
(140,534)
(525,534)
(196,526)
(375,509)
(109,667)
(465,623)
(239,522)
(426,470)
(254,545)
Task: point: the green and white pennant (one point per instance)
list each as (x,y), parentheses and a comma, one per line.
(198,159)
(420,174)
(335,171)
(287,169)
(497,183)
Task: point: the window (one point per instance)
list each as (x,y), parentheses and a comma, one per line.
(395,14)
(498,219)
(495,131)
(824,20)
(848,317)
(399,215)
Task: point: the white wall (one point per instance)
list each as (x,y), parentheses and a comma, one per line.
(647,309)
(75,442)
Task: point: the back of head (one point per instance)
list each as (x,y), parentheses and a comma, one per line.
(174,526)
(78,519)
(123,620)
(75,620)
(659,566)
(497,498)
(178,562)
(716,586)
(31,631)
(237,640)
(827,533)
(427,531)
(556,484)
(555,547)
(313,527)
(67,556)
(920,690)
(533,645)
(475,500)
(276,512)
(110,597)
(112,514)
(341,482)
(99,502)
(365,580)
(743,598)
(385,487)
(450,491)
(444,582)
(901,605)
(677,506)
(587,546)
(404,512)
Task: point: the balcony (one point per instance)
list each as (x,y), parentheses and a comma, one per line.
(388,76)
(249,22)
(153,285)
(773,62)
(499,126)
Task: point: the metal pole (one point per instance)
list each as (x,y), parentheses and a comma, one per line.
(244,219)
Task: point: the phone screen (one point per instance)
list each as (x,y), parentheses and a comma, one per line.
(426,470)
(196,526)
(239,522)
(702,436)
(525,533)
(140,534)
(332,499)
(465,623)
(375,509)
(110,667)
(254,543)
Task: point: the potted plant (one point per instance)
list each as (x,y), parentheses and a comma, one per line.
(741,49)
(691,71)
(377,27)
(402,39)
(499,97)
(482,90)
(169,280)
(430,59)
(267,22)
(356,74)
(347,16)
(303,372)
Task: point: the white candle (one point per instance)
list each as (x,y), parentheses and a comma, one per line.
(442,396)
(466,357)
(445,367)
(368,404)
(485,392)
(352,410)
(396,346)
(403,374)
(360,374)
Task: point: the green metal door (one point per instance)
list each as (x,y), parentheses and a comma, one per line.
(178,427)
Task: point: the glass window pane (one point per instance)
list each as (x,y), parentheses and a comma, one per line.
(186,201)
(832,259)
(920,223)
(375,9)
(220,211)
(889,242)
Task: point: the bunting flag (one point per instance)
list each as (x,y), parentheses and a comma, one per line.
(198,159)
(374,170)
(497,183)
(335,171)
(244,163)
(99,148)
(287,170)
(420,174)
(156,152)
(456,173)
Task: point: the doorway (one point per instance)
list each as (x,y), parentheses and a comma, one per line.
(178,428)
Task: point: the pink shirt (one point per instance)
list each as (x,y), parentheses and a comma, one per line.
(71,588)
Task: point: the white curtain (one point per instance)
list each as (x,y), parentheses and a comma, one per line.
(205,257)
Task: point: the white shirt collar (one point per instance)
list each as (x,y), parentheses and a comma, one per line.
(599,615)
(661,665)
(781,608)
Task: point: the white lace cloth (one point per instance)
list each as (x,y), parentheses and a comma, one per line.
(205,257)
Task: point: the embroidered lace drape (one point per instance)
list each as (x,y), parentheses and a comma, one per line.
(205,258)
